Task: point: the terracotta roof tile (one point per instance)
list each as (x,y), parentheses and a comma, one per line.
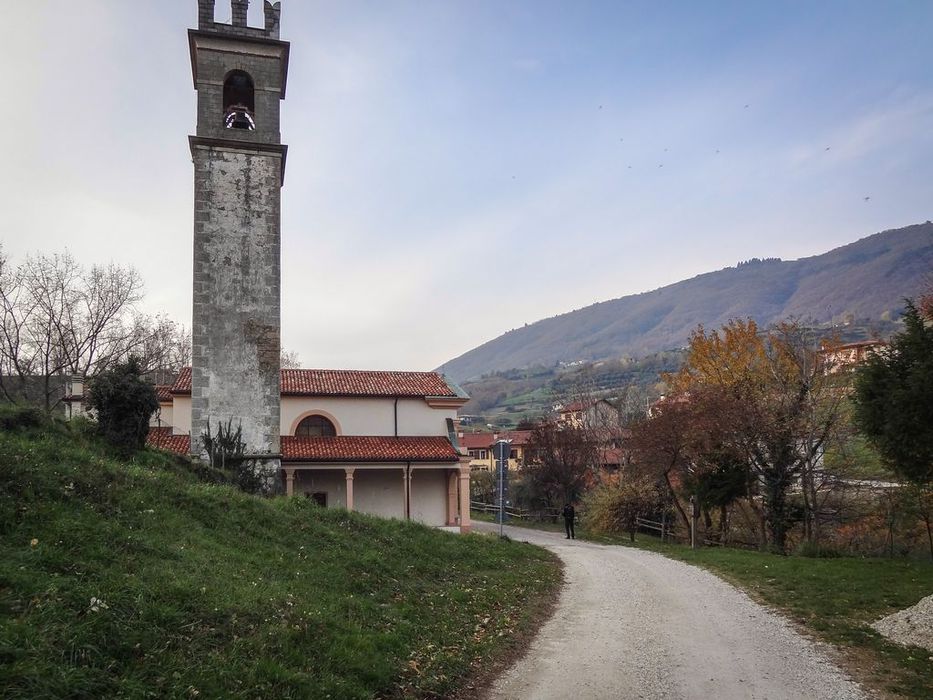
(340,382)
(162,438)
(519,438)
(182,383)
(355,448)
(163,393)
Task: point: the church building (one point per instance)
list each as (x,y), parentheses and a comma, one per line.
(378,442)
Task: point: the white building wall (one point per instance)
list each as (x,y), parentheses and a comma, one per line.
(429,496)
(365,416)
(379,492)
(333,482)
(352,416)
(181,415)
(163,418)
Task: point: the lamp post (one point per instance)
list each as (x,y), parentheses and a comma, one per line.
(502,449)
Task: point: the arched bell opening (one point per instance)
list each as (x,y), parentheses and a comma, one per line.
(239,101)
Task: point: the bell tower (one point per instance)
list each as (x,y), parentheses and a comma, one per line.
(239,167)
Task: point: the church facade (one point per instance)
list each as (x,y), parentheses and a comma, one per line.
(378,442)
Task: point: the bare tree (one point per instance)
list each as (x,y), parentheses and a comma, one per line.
(289,360)
(59,318)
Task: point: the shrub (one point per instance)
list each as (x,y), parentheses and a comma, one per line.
(21,418)
(123,402)
(617,508)
(227,453)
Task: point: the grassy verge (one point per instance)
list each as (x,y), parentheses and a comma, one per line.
(834,599)
(138,580)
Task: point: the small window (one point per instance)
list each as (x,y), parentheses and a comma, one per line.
(315,426)
(239,101)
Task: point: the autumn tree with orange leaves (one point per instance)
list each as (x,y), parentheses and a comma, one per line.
(752,397)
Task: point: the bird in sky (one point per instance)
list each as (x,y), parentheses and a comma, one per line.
(866,198)
(746,106)
(827,148)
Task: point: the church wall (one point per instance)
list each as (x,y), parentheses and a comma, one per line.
(181,415)
(362,416)
(429,496)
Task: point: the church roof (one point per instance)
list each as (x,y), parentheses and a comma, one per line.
(163,439)
(343,448)
(356,448)
(345,382)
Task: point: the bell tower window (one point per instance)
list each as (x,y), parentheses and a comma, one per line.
(239,101)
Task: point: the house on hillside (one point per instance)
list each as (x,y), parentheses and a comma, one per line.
(598,413)
(841,358)
(377,442)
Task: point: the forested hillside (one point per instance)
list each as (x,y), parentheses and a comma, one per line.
(865,281)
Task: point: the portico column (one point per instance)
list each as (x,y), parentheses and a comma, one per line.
(465,495)
(349,471)
(405,515)
(452,477)
(289,481)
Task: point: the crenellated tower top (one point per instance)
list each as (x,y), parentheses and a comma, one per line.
(240,74)
(239,25)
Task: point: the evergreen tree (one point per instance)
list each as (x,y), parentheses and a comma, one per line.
(894,400)
(123,402)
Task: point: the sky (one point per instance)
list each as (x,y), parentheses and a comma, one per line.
(459,168)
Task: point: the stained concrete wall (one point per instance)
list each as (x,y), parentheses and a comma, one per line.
(236,315)
(429,496)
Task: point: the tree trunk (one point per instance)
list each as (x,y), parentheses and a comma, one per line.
(670,489)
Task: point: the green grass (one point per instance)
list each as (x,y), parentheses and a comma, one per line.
(834,599)
(208,592)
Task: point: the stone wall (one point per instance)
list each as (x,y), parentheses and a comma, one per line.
(236,319)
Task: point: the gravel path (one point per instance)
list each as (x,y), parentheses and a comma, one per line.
(911,626)
(635,624)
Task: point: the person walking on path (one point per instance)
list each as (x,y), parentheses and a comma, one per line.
(569,514)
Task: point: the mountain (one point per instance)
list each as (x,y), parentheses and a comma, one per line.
(867,279)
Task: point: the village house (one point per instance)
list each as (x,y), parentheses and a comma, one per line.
(839,358)
(479,446)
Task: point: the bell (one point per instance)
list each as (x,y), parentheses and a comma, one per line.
(239,118)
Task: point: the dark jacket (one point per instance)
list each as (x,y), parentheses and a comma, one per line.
(569,513)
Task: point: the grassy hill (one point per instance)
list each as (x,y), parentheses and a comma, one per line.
(140,579)
(865,280)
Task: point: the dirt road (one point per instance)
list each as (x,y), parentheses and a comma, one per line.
(634,624)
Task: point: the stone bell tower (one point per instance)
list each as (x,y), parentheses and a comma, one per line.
(239,165)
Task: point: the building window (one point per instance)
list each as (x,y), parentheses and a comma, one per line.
(315,426)
(239,101)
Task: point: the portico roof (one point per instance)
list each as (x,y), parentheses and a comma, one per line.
(342,448)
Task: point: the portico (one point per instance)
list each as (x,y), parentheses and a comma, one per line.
(433,494)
